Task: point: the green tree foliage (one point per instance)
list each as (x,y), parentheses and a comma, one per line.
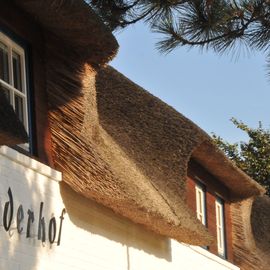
(253,157)
(221,25)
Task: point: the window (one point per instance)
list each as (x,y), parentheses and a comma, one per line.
(220,227)
(200,204)
(13,77)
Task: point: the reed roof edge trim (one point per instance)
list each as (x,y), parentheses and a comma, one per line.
(241,186)
(76,24)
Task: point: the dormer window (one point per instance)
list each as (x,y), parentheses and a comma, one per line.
(13,77)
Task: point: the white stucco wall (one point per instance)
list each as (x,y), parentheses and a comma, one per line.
(93,237)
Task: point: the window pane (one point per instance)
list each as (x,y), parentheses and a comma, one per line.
(200,201)
(220,228)
(19,108)
(17,71)
(218,215)
(4,71)
(200,206)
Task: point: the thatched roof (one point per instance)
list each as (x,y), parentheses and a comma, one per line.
(126,149)
(250,230)
(75,24)
(120,146)
(12,131)
(260,223)
(136,131)
(95,165)
(159,139)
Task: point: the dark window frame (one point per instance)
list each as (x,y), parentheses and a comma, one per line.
(29,88)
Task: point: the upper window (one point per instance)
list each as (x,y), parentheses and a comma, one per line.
(200,204)
(220,227)
(13,77)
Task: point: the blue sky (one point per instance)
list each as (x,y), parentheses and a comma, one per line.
(207,88)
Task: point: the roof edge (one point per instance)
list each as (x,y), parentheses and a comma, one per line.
(77,25)
(241,186)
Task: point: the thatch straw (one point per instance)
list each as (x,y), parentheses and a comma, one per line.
(260,223)
(154,139)
(12,131)
(250,230)
(76,25)
(156,136)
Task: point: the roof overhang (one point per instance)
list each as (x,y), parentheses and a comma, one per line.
(76,24)
(240,185)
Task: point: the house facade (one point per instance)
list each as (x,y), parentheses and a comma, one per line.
(96,173)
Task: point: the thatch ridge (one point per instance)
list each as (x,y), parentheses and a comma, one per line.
(12,131)
(77,25)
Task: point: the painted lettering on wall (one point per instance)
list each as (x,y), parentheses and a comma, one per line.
(47,231)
